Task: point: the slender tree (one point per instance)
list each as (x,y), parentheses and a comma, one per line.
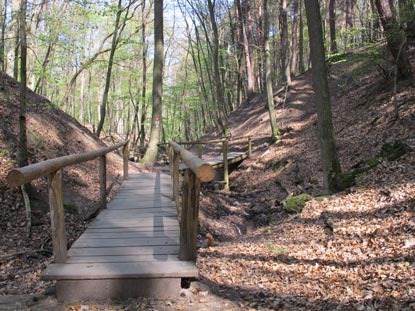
(103,108)
(332,23)
(223,122)
(3,15)
(150,157)
(22,154)
(331,165)
(268,76)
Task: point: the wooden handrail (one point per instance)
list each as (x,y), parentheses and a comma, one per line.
(23,175)
(197,172)
(52,168)
(202,170)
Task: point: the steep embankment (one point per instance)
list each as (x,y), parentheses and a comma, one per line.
(353,250)
(51,133)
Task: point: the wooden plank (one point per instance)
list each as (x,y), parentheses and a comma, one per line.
(100,271)
(125,242)
(135,258)
(129,235)
(137,213)
(122,251)
(131,229)
(142,222)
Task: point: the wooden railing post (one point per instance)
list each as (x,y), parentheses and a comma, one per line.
(175,176)
(249,146)
(57,217)
(103,181)
(125,156)
(225,165)
(189,217)
(200,151)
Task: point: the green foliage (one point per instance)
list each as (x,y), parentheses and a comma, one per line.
(295,204)
(277,250)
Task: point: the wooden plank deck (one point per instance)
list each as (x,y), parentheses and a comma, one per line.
(134,242)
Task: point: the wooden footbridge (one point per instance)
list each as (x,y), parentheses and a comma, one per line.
(136,246)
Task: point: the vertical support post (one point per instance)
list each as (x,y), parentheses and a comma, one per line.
(103,181)
(249,146)
(199,151)
(57,216)
(175,176)
(125,155)
(189,217)
(225,165)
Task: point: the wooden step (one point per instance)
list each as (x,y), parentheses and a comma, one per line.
(129,270)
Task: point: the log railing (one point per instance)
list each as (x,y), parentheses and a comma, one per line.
(52,168)
(196,172)
(225,151)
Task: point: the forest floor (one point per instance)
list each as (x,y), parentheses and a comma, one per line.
(354,250)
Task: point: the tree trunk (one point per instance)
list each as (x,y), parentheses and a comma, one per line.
(268,76)
(395,37)
(244,15)
(22,154)
(223,122)
(294,49)
(150,157)
(103,108)
(331,165)
(3,15)
(285,44)
(332,22)
(301,41)
(143,109)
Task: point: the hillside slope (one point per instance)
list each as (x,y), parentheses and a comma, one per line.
(51,133)
(354,250)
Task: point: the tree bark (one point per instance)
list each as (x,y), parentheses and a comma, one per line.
(3,15)
(220,98)
(294,49)
(285,45)
(331,165)
(268,75)
(150,157)
(103,108)
(244,16)
(395,38)
(22,154)
(301,41)
(332,22)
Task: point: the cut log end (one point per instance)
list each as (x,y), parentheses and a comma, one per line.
(206,173)
(15,178)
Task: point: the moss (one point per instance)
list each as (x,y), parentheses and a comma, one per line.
(393,150)
(295,204)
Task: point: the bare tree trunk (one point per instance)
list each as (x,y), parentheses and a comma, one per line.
(331,165)
(3,15)
(301,41)
(223,122)
(332,14)
(294,49)
(143,109)
(395,37)
(150,157)
(268,76)
(104,102)
(285,45)
(22,154)
(245,19)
